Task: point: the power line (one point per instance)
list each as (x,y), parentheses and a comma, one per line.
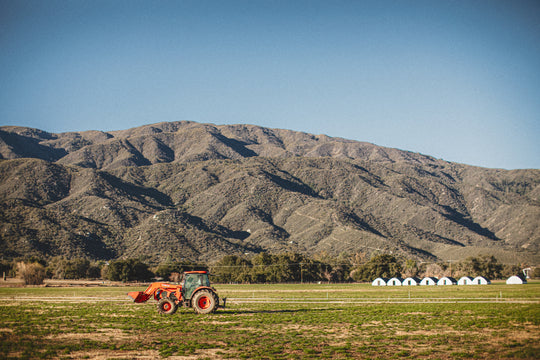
(279,265)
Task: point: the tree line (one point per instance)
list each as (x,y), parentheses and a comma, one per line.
(260,268)
(282,268)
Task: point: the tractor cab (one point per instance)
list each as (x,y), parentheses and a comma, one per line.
(192,281)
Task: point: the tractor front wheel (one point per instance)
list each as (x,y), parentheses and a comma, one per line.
(166,306)
(204,302)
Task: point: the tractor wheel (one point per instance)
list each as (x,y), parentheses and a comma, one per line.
(166,306)
(204,302)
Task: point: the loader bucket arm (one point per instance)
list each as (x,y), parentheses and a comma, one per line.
(139,296)
(142,296)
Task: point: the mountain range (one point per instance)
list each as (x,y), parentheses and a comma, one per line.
(191,191)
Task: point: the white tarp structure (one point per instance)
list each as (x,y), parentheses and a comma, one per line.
(379,282)
(429,281)
(447,281)
(465,280)
(410,281)
(515,280)
(394,282)
(480,280)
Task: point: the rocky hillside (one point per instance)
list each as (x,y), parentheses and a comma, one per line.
(185,190)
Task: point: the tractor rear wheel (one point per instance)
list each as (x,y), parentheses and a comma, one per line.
(204,302)
(166,306)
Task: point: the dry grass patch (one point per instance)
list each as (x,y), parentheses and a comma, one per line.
(96,335)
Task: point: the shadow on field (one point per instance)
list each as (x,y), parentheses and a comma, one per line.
(276,311)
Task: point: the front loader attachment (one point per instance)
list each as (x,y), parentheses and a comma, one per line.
(139,296)
(194,291)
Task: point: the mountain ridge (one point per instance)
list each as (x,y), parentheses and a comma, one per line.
(200,191)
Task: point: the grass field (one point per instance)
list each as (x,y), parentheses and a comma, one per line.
(309,321)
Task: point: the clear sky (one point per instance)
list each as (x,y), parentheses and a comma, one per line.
(458,80)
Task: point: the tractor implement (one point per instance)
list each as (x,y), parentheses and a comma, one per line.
(139,296)
(194,291)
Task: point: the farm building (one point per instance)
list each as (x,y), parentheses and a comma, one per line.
(379,282)
(515,280)
(394,282)
(447,281)
(465,280)
(429,281)
(480,280)
(411,281)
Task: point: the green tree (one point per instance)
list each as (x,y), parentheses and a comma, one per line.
(76,268)
(300,268)
(283,268)
(261,271)
(484,265)
(94,270)
(128,270)
(232,268)
(384,265)
(410,268)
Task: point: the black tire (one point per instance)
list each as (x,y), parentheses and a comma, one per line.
(204,302)
(166,306)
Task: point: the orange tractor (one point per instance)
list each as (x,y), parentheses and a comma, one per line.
(194,291)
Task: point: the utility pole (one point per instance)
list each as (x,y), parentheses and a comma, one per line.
(450,263)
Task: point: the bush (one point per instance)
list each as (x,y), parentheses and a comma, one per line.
(32,274)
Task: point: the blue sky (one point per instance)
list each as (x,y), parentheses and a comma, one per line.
(458,80)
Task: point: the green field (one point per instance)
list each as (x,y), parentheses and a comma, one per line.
(309,321)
